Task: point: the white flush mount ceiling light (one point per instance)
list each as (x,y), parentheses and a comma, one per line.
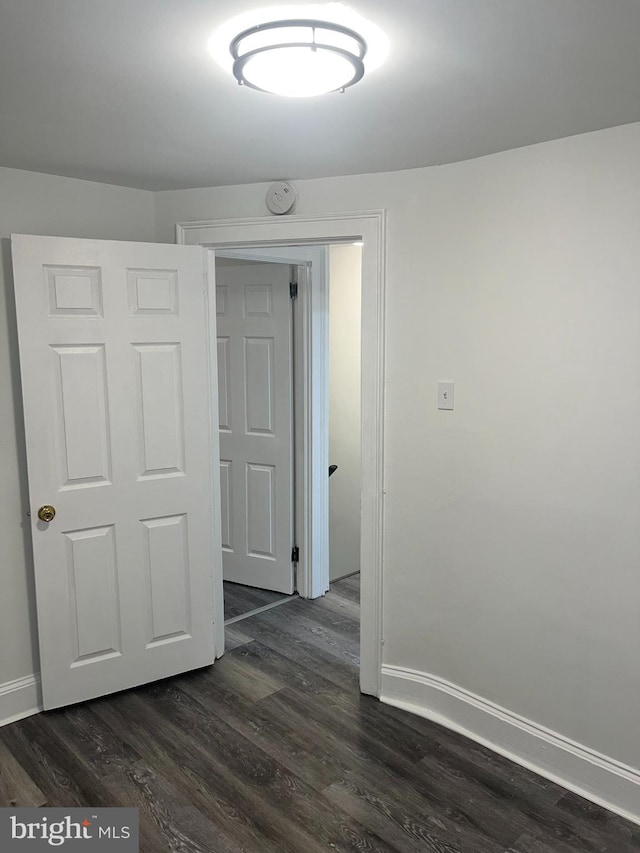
(298,51)
(298,58)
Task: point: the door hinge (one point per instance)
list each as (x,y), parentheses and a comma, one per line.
(295,554)
(293,289)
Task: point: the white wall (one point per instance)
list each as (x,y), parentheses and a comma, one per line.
(40,204)
(345,275)
(512,535)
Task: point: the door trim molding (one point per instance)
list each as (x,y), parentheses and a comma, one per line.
(588,773)
(370,228)
(20,698)
(312,420)
(209,264)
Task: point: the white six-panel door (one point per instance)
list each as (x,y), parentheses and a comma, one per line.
(255,399)
(114,362)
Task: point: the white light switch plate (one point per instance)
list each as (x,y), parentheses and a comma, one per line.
(445,396)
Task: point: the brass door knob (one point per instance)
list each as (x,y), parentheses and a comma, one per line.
(47,513)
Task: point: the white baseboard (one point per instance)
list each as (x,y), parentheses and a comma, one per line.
(19,699)
(594,776)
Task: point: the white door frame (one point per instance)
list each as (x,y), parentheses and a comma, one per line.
(369,227)
(311,405)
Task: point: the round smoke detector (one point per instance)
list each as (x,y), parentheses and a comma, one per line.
(281,197)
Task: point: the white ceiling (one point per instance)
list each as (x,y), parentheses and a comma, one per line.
(124,91)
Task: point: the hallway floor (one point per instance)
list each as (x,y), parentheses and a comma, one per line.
(240,599)
(273,750)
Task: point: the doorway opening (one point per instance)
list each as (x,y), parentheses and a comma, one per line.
(261,393)
(312,231)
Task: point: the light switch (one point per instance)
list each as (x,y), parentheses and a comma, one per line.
(445,396)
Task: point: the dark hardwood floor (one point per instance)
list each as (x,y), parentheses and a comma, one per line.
(239,599)
(273,750)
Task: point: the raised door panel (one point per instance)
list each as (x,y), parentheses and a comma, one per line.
(153,292)
(160,410)
(258,300)
(82,420)
(74,291)
(226,503)
(222,300)
(166,556)
(224,384)
(94,598)
(261,511)
(259,381)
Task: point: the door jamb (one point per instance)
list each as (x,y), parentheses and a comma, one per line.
(209,262)
(368,227)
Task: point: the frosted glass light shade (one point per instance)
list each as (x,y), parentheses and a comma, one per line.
(298,58)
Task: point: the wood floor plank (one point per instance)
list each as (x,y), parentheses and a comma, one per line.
(285,671)
(17,788)
(294,740)
(407,833)
(348,588)
(239,599)
(127,779)
(258,785)
(353,718)
(315,630)
(212,792)
(475,760)
(168,817)
(57,770)
(341,606)
(608,831)
(493,809)
(245,679)
(233,637)
(548,843)
(286,789)
(270,631)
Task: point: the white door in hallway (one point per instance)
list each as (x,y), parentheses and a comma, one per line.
(115,380)
(253,310)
